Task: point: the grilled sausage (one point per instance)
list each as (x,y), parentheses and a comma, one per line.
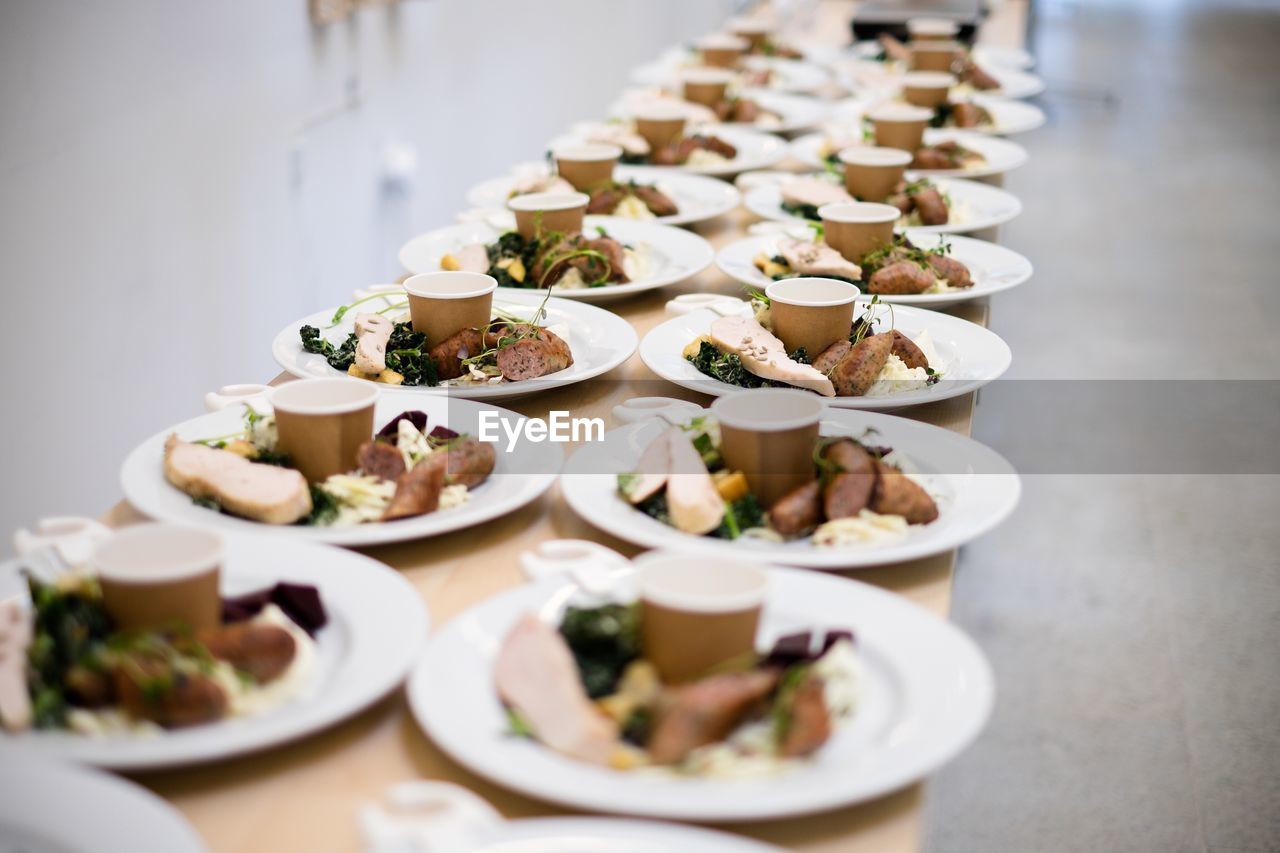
(831,356)
(857,371)
(903,202)
(932,158)
(898,494)
(906,349)
(968,114)
(614,255)
(606,199)
(900,277)
(531,357)
(848,491)
(808,725)
(746,111)
(952,271)
(380,459)
(467,462)
(449,353)
(150,689)
(931,206)
(658,202)
(798,511)
(263,651)
(417,492)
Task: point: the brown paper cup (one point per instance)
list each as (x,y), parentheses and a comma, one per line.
(588,165)
(697,613)
(811,312)
(661,125)
(768,434)
(934,55)
(871,173)
(441,304)
(756,32)
(722,51)
(160,575)
(856,228)
(932,29)
(545,213)
(927,88)
(706,86)
(322,423)
(900,126)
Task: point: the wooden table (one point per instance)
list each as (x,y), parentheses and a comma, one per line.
(305,796)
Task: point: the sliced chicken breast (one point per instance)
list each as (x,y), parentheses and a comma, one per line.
(809,258)
(266,493)
(763,354)
(535,674)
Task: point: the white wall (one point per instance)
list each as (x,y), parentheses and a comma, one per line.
(182,179)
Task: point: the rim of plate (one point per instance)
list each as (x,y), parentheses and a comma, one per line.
(653,354)
(145,487)
(756,149)
(370,661)
(674,241)
(692,839)
(734,260)
(1011,155)
(975,503)
(615,333)
(113,815)
(940,661)
(492,192)
(1011,117)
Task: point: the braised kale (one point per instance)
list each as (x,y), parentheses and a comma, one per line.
(603,641)
(726,367)
(70,629)
(740,515)
(406,353)
(339,358)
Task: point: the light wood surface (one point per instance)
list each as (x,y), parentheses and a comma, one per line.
(306,796)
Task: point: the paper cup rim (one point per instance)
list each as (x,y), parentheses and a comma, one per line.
(859,212)
(548,201)
(720,409)
(587,152)
(362,395)
(879,156)
(754,596)
(184,568)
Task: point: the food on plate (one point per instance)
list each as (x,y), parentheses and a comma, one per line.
(510,348)
(554,258)
(631,200)
(85,675)
(529,184)
(585,688)
(403,471)
(965,69)
(697,149)
(744,352)
(803,196)
(852,491)
(740,109)
(921,203)
(902,268)
(962,114)
(947,155)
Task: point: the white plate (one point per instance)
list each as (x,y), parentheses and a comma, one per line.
(699,198)
(992,267)
(864,70)
(927,693)
(610,835)
(376,629)
(519,477)
(1001,154)
(600,340)
(975,489)
(1007,57)
(1013,83)
(795,112)
(52,806)
(756,150)
(677,254)
(974,206)
(984,55)
(789,75)
(972,356)
(1008,117)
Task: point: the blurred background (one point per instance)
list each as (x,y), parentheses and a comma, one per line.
(182,179)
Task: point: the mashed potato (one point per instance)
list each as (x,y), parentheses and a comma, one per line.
(632,207)
(701,158)
(865,528)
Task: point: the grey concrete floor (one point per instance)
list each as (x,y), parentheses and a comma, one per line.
(1131,607)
